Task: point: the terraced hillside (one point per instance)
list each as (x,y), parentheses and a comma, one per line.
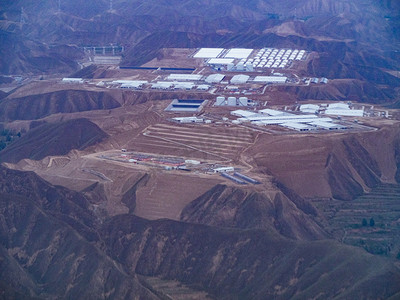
(371,221)
(197,141)
(164,195)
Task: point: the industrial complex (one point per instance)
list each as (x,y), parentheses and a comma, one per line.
(219,103)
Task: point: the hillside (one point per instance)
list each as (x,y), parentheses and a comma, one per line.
(53,139)
(50,247)
(339,166)
(32,107)
(224,206)
(355,39)
(237,264)
(227,263)
(106,192)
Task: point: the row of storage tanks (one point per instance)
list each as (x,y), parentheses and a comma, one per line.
(231,101)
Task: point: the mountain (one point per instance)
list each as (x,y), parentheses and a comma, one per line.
(342,166)
(72,221)
(53,139)
(256,264)
(37,106)
(224,206)
(49,245)
(344,32)
(53,245)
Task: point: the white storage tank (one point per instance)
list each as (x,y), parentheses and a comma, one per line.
(231,101)
(243,101)
(220,101)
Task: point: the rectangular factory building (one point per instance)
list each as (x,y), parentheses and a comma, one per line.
(183,85)
(208,53)
(242,113)
(309,108)
(203,87)
(273,112)
(188,120)
(185,77)
(297,126)
(214,78)
(239,79)
(162,85)
(131,84)
(345,112)
(338,106)
(283,119)
(224,169)
(220,63)
(72,80)
(238,53)
(270,79)
(327,125)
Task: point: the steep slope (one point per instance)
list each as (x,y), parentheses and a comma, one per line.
(42,256)
(343,90)
(37,106)
(364,30)
(52,245)
(53,139)
(29,55)
(224,206)
(338,166)
(248,264)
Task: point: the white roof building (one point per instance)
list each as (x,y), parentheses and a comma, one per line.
(188,120)
(220,61)
(338,106)
(203,87)
(309,108)
(72,80)
(270,79)
(214,78)
(273,112)
(224,169)
(183,85)
(164,85)
(239,79)
(297,126)
(327,125)
(129,82)
(238,53)
(208,52)
(242,113)
(185,77)
(283,118)
(131,85)
(345,112)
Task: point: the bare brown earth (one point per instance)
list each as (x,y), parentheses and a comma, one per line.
(54,245)
(312,165)
(220,227)
(334,165)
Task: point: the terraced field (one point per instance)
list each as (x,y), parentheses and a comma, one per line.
(165,195)
(371,221)
(195,140)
